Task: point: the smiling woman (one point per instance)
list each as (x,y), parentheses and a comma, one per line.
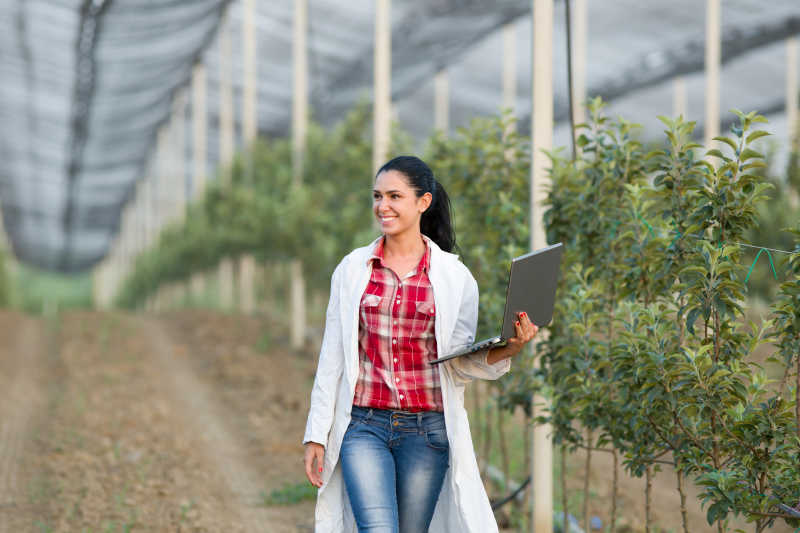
(387,438)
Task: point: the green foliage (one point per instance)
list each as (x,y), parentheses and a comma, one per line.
(648,347)
(36,291)
(264,213)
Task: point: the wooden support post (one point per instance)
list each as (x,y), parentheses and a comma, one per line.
(226,125)
(250,70)
(792,125)
(200,130)
(382,92)
(100,285)
(178,177)
(247,262)
(679,97)
(441,101)
(509,67)
(162,191)
(225,272)
(542,129)
(713,45)
(791,92)
(299,134)
(579,39)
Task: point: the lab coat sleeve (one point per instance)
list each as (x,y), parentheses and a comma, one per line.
(329,370)
(473,366)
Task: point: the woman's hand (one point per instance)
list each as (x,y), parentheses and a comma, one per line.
(315,453)
(525,332)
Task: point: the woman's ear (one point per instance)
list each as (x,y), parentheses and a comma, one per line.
(424,202)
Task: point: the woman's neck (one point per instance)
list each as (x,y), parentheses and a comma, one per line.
(405,245)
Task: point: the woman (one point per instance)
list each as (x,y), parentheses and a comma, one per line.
(387,438)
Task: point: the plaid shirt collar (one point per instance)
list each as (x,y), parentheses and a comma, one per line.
(424,263)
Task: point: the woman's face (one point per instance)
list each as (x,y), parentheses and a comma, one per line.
(396,205)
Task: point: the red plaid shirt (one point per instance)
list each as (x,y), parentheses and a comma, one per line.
(396,339)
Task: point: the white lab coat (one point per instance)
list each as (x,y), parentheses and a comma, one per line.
(463,505)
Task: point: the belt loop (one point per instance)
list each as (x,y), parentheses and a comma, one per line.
(369,414)
(419,422)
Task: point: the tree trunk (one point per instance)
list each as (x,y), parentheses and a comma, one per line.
(684,515)
(477,405)
(588,469)
(487,435)
(501,440)
(614,492)
(648,492)
(564,492)
(529,489)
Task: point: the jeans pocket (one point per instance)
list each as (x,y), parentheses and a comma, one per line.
(437,439)
(353,425)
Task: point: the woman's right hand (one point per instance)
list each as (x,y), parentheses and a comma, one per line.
(315,453)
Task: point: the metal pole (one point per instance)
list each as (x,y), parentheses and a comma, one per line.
(542,129)
(713,45)
(382,82)
(441,101)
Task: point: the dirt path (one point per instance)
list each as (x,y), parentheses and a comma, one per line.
(204,418)
(22,353)
(129,424)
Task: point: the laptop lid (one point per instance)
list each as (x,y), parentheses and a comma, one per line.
(532,287)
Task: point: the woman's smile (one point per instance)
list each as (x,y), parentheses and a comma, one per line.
(395,203)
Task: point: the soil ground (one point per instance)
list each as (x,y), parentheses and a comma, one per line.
(188,421)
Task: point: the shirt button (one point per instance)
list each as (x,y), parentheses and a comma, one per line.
(395,322)
(401,396)
(395,359)
(397,380)
(394,341)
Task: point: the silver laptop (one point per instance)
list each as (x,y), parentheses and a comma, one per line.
(531,288)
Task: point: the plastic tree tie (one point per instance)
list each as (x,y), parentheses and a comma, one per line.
(769,255)
(675,239)
(653,233)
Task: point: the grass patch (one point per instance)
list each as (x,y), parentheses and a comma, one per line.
(264,342)
(290,494)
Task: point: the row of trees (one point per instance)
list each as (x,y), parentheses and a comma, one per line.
(651,353)
(649,357)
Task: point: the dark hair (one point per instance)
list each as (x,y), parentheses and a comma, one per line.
(436,221)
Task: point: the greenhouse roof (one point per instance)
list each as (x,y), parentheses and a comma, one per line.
(87,83)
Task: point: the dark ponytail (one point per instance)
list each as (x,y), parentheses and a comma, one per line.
(436,222)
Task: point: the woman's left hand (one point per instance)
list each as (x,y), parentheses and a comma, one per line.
(525,332)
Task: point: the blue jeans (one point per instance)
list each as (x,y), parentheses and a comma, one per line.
(393,464)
